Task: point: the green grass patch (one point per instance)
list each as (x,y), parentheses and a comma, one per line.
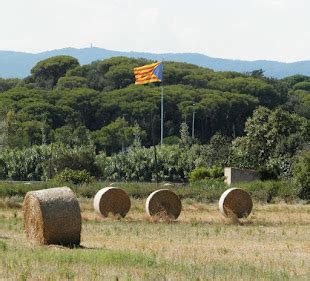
(202,191)
(269,191)
(67,261)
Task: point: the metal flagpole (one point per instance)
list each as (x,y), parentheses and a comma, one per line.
(162,111)
(155,153)
(162,116)
(193,123)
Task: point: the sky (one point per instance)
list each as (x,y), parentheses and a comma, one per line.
(234,29)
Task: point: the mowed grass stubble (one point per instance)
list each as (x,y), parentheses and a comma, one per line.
(272,244)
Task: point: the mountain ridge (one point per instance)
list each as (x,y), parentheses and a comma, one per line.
(19,64)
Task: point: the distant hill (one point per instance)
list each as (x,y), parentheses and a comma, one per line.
(18,64)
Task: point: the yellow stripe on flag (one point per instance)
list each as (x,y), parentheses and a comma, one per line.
(144,74)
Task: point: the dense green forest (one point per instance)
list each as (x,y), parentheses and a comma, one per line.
(94,118)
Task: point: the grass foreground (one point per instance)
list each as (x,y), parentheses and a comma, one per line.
(272,244)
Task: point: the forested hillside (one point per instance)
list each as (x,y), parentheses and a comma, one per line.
(18,64)
(245,120)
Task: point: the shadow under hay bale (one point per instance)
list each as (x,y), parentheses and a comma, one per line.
(52,216)
(112,200)
(163,202)
(235,203)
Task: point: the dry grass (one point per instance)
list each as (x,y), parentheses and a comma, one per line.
(10,203)
(272,244)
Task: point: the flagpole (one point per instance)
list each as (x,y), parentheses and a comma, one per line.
(193,123)
(162,110)
(162,116)
(148,74)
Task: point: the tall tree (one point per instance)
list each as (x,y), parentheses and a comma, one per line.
(47,72)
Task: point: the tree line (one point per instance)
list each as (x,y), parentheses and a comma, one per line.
(60,97)
(264,121)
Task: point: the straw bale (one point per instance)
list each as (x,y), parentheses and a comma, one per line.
(52,216)
(235,202)
(163,202)
(168,184)
(112,200)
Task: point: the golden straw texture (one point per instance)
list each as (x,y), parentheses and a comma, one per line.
(235,202)
(112,200)
(52,216)
(163,202)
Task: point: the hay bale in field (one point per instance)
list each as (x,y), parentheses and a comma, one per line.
(163,202)
(52,216)
(112,200)
(168,184)
(235,202)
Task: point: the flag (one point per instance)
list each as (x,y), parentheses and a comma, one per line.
(149,73)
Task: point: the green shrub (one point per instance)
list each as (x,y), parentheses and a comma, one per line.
(42,162)
(208,190)
(301,174)
(74,176)
(198,174)
(201,173)
(138,164)
(171,140)
(261,191)
(302,86)
(288,192)
(87,190)
(266,173)
(216,173)
(10,189)
(3,170)
(268,191)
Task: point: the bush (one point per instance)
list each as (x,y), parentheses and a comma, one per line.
(42,162)
(201,173)
(301,174)
(208,190)
(3,170)
(138,163)
(268,191)
(266,173)
(74,177)
(302,86)
(198,174)
(9,189)
(202,191)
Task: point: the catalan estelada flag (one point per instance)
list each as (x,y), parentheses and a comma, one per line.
(149,73)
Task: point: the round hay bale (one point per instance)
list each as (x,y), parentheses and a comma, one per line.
(52,216)
(235,202)
(163,202)
(112,200)
(168,184)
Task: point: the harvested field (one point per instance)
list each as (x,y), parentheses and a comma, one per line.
(273,243)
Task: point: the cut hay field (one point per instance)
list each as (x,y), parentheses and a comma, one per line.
(272,244)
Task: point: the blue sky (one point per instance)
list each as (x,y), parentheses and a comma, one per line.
(236,29)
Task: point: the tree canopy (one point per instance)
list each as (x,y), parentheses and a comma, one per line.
(60,93)
(47,72)
(93,117)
